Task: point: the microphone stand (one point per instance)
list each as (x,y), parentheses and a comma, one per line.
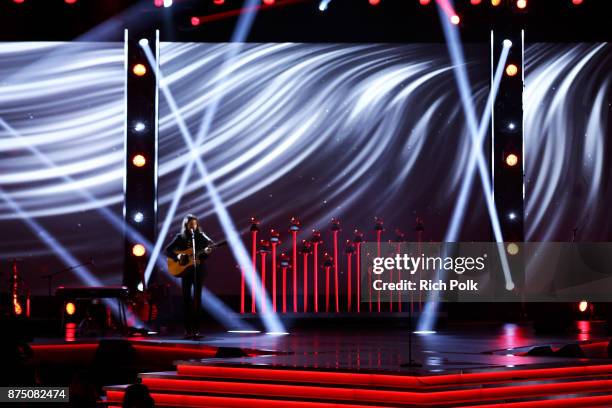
(196,302)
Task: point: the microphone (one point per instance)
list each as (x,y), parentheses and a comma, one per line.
(192,231)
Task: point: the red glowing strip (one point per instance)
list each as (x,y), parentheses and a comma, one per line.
(316,277)
(284,269)
(254,258)
(327,268)
(274,276)
(263,282)
(241,290)
(399,279)
(378,396)
(64,347)
(336,269)
(305,283)
(388,380)
(378,234)
(349,257)
(358,261)
(295,308)
(226,402)
(233,13)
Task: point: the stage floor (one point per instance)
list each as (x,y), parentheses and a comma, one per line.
(459,348)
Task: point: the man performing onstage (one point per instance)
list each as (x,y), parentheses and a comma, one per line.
(181,250)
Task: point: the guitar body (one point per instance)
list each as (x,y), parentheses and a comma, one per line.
(177,268)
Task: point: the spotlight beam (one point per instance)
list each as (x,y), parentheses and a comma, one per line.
(115,220)
(271,321)
(456,52)
(477,136)
(62,253)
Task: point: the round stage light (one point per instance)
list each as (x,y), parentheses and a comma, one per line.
(424,2)
(583,306)
(138,217)
(475,2)
(139,70)
(167,3)
(495,3)
(70,308)
(512,216)
(219,2)
(139,126)
(512,248)
(18,1)
(140,287)
(511,126)
(138,250)
(576,2)
(70,1)
(521,4)
(268,2)
(139,160)
(143,42)
(512,160)
(455,19)
(158,3)
(507,43)
(195,21)
(374,2)
(511,70)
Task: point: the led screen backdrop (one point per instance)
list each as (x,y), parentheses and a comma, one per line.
(61,160)
(308,130)
(568,142)
(320,131)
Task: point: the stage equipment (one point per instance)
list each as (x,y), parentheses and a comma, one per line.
(19,293)
(75,294)
(378,229)
(512,159)
(138,250)
(316,241)
(274,241)
(188,258)
(349,251)
(140,180)
(511,70)
(305,250)
(357,240)
(507,146)
(399,238)
(264,249)
(335,228)
(285,264)
(328,263)
(293,229)
(139,160)
(254,230)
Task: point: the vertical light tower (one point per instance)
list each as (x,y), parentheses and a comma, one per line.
(507,150)
(140,146)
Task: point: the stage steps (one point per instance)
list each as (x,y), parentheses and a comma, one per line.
(205,384)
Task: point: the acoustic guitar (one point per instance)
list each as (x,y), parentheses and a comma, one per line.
(177,268)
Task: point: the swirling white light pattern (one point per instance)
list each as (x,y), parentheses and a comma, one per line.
(62,102)
(567,142)
(313,130)
(322,130)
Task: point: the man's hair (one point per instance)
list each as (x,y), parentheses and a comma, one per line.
(186,221)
